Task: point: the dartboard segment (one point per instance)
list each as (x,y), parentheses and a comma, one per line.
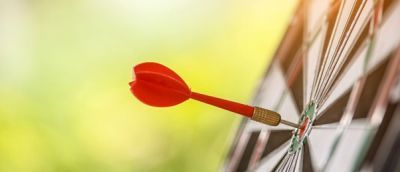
(348,149)
(276,139)
(334,112)
(387,38)
(245,159)
(311,63)
(269,162)
(306,161)
(315,14)
(267,97)
(370,90)
(320,144)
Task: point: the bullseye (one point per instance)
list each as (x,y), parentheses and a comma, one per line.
(303,127)
(300,134)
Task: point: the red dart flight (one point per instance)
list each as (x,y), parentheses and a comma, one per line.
(157,85)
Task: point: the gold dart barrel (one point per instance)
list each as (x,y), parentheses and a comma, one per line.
(270,117)
(266,116)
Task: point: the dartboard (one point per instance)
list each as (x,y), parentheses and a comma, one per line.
(336,73)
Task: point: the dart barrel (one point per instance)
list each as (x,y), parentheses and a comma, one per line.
(266,116)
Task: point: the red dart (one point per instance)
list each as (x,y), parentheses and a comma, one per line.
(157,85)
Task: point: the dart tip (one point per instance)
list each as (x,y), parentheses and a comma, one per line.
(291,124)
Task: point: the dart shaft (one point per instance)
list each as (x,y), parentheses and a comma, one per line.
(235,107)
(288,123)
(255,113)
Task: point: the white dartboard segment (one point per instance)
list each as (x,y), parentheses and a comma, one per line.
(273,87)
(320,141)
(316,12)
(312,58)
(350,145)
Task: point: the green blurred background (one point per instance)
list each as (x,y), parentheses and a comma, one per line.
(65,65)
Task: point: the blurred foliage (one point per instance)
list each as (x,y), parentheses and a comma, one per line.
(65,66)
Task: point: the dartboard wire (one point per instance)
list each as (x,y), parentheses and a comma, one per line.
(377,113)
(322,26)
(288,78)
(285,93)
(370,41)
(320,127)
(299,55)
(237,154)
(332,81)
(359,51)
(377,21)
(327,72)
(280,163)
(294,66)
(321,20)
(333,62)
(296,159)
(326,55)
(293,72)
(321,64)
(301,158)
(343,41)
(309,43)
(346,119)
(262,141)
(242,140)
(291,160)
(317,68)
(297,60)
(310,40)
(287,166)
(296,154)
(354,98)
(283,166)
(288,162)
(340,49)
